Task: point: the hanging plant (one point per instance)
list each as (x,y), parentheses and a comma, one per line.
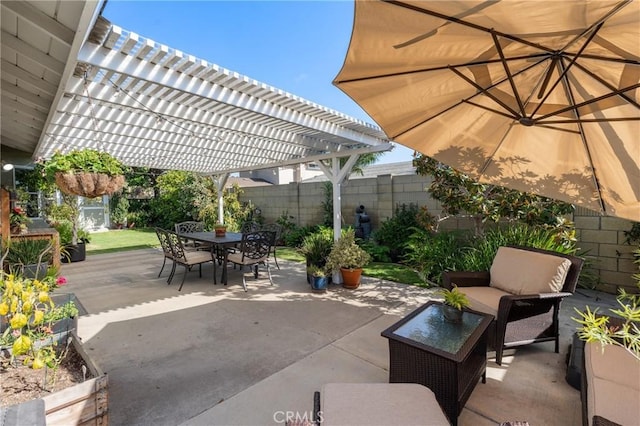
(87,172)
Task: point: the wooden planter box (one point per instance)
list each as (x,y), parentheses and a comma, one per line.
(83,404)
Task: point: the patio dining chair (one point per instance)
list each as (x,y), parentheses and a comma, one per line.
(188,227)
(277,234)
(166,250)
(253,251)
(187,258)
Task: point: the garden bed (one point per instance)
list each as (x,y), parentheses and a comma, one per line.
(72,394)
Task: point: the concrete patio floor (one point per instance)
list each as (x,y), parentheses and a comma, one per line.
(215,355)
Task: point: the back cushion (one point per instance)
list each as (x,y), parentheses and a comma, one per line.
(526,272)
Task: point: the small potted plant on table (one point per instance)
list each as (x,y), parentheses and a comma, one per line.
(454,302)
(220,229)
(347,256)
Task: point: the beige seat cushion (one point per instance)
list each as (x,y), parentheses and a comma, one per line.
(380,404)
(613,384)
(484,299)
(526,272)
(194,257)
(237,258)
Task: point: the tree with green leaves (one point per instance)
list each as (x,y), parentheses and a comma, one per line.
(460,194)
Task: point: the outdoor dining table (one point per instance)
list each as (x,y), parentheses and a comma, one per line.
(230,239)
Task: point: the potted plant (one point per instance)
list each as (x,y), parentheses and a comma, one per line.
(319,279)
(18,221)
(29,257)
(87,172)
(622,329)
(220,229)
(454,302)
(349,257)
(65,218)
(316,247)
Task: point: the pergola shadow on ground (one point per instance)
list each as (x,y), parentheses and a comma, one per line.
(219,355)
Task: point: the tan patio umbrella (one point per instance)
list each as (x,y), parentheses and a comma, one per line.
(540,96)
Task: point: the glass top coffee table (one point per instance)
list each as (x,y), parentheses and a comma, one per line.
(448,358)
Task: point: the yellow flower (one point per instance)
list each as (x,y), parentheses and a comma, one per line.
(26,295)
(18,321)
(43,296)
(14,304)
(4,308)
(38,316)
(37,364)
(21,345)
(27,307)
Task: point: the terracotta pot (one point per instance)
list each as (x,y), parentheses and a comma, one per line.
(220,232)
(351,277)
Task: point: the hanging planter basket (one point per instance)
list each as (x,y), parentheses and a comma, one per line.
(89,185)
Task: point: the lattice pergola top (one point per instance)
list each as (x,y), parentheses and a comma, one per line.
(153,106)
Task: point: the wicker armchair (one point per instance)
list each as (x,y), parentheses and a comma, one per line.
(521,315)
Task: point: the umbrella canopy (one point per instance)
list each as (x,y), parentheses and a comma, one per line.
(539,96)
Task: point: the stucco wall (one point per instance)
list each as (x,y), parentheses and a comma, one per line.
(603,237)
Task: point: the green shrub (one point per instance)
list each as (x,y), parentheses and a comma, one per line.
(296,235)
(378,253)
(479,256)
(286,222)
(118,209)
(316,247)
(395,232)
(431,254)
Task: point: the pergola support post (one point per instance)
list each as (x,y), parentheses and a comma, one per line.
(338,175)
(220,181)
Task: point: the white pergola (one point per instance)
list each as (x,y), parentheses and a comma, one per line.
(73,80)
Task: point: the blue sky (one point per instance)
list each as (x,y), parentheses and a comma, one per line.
(296,46)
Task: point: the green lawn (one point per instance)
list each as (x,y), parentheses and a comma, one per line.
(131,239)
(122,239)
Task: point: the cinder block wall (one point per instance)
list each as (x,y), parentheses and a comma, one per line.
(604,239)
(602,236)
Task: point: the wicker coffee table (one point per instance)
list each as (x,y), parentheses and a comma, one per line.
(448,358)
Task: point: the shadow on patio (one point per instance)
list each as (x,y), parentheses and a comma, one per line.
(217,355)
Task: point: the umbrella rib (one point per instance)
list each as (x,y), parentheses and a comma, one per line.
(583,138)
(444,67)
(565,70)
(591,101)
(467,101)
(604,58)
(609,86)
(485,92)
(466,24)
(589,120)
(496,42)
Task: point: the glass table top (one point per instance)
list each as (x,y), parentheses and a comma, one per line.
(429,328)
